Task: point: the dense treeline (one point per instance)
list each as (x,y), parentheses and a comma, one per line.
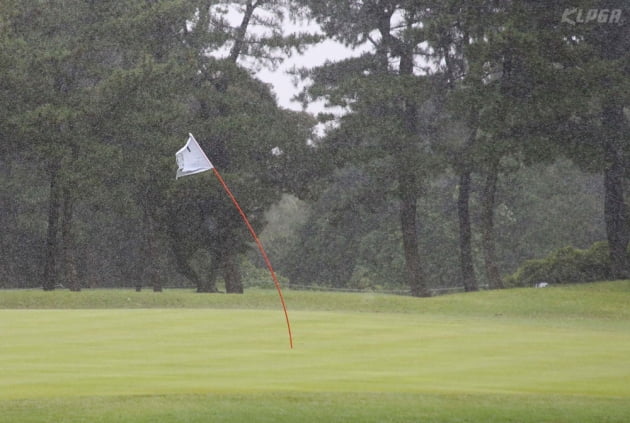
(99,96)
(476,135)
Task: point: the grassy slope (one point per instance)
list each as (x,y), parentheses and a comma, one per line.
(598,300)
(555,354)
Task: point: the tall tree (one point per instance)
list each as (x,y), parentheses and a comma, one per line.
(110,85)
(394,107)
(234,111)
(546,57)
(610,44)
(61,74)
(453,31)
(265,45)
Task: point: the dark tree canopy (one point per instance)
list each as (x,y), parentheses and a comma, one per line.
(463,122)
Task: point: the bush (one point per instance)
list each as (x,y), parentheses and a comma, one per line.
(259,277)
(566,265)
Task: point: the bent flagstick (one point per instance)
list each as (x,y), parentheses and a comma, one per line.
(191,159)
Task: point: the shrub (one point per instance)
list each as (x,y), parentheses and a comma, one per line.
(259,277)
(566,265)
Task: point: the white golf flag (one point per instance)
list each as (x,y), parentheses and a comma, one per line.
(191,159)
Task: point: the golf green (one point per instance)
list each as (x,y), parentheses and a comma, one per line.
(100,356)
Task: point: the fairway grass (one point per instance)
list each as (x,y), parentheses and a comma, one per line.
(320,407)
(552,355)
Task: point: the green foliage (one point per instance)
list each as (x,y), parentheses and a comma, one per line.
(259,277)
(539,207)
(566,265)
(96,96)
(354,205)
(354,225)
(105,94)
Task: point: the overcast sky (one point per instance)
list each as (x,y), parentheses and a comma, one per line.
(282,83)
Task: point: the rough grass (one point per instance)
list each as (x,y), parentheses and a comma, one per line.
(597,300)
(528,355)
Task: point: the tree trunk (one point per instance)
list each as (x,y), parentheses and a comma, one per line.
(408,186)
(69,267)
(615,210)
(209,285)
(151,273)
(407,169)
(615,214)
(487,228)
(242,30)
(408,223)
(465,234)
(232,275)
(157,284)
(52,242)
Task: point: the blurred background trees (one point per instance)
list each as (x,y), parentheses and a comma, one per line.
(474,136)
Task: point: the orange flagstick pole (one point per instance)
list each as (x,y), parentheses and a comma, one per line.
(191,159)
(260,247)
